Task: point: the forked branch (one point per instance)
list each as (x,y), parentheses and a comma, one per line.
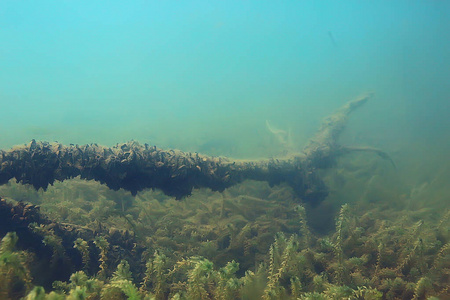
(134,167)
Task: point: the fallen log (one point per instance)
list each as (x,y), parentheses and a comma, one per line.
(134,167)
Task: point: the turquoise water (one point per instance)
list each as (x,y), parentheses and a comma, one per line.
(207,75)
(243,79)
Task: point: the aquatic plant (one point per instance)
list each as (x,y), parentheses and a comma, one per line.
(82,246)
(156,276)
(341,224)
(192,248)
(199,274)
(227,285)
(296,287)
(304,230)
(253,284)
(365,293)
(278,264)
(15,278)
(78,285)
(421,288)
(37,293)
(121,283)
(50,239)
(103,245)
(442,259)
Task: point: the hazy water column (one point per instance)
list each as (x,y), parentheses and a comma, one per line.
(185,74)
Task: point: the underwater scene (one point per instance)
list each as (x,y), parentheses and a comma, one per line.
(224,150)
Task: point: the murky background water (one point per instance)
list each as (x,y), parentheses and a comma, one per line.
(220,77)
(208,76)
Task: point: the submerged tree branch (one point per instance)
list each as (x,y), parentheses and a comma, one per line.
(134,167)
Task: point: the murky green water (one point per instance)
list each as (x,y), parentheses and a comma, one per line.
(245,79)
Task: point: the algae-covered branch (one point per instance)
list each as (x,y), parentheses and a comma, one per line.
(134,167)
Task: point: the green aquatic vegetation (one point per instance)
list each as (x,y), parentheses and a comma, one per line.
(156,276)
(341,225)
(125,286)
(80,286)
(313,296)
(443,228)
(413,248)
(37,293)
(103,245)
(217,226)
(15,278)
(365,293)
(296,287)
(280,255)
(378,263)
(198,277)
(227,286)
(200,280)
(7,244)
(123,271)
(82,246)
(304,230)
(78,279)
(334,292)
(50,239)
(19,192)
(211,225)
(338,292)
(121,283)
(199,274)
(319,283)
(442,259)
(78,293)
(422,286)
(253,284)
(91,286)
(374,250)
(415,254)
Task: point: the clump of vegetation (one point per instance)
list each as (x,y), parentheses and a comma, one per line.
(250,242)
(289,271)
(15,278)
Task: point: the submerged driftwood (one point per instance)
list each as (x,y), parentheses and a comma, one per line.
(134,167)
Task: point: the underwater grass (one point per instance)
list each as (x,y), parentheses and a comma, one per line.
(289,272)
(250,242)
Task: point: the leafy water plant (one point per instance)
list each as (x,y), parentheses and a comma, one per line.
(15,278)
(341,225)
(227,284)
(121,284)
(281,253)
(82,246)
(103,245)
(226,246)
(50,239)
(156,276)
(199,274)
